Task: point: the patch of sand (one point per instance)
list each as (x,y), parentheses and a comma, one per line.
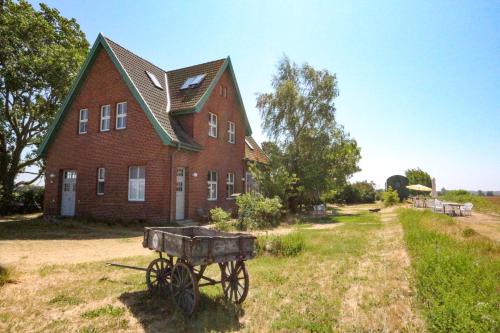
(487,225)
(26,253)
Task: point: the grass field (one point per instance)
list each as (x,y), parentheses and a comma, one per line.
(341,281)
(456,273)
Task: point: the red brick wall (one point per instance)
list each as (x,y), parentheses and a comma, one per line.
(114,150)
(139,144)
(218,154)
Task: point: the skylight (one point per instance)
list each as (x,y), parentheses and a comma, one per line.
(249,144)
(154,79)
(193,81)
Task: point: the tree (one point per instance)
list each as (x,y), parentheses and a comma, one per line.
(489,193)
(40,54)
(274,179)
(418,176)
(480,193)
(299,118)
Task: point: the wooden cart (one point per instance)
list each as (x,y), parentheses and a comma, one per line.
(194,249)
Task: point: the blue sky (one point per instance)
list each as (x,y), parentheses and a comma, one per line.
(419,81)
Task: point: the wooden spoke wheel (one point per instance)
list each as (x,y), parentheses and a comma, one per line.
(158,275)
(234,280)
(184,288)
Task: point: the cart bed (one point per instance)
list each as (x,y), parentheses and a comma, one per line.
(198,245)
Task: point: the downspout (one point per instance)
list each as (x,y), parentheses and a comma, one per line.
(173,173)
(173,182)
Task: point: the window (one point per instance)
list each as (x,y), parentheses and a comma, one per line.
(136,183)
(230,184)
(83,121)
(154,79)
(221,90)
(230,132)
(193,82)
(105,118)
(121,115)
(212,125)
(212,185)
(225,92)
(101,174)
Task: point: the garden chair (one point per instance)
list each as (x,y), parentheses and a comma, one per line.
(466,209)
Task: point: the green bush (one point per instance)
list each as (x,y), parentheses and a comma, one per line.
(287,246)
(221,219)
(28,199)
(4,276)
(257,212)
(390,197)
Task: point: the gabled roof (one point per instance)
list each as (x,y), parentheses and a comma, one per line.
(160,105)
(253,152)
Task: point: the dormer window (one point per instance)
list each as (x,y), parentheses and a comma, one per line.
(154,80)
(193,82)
(212,125)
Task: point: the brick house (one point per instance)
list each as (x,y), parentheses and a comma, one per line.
(132,141)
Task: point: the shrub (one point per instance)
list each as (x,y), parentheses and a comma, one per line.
(287,246)
(4,276)
(28,199)
(257,212)
(221,218)
(390,197)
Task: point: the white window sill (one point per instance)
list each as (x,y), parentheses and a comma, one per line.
(212,199)
(104,130)
(120,128)
(138,200)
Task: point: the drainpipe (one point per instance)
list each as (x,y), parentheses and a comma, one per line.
(173,182)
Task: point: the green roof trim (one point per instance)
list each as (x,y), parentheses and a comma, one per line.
(101,41)
(199,105)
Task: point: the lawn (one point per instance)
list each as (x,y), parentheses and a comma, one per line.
(305,292)
(456,273)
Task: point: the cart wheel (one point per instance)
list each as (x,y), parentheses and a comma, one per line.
(234,280)
(184,288)
(158,275)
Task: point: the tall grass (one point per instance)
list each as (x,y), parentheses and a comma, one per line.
(480,203)
(457,277)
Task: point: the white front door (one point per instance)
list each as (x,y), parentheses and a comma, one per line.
(68,193)
(180,194)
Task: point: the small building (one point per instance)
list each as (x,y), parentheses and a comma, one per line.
(135,142)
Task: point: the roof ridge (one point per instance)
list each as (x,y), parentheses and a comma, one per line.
(135,54)
(166,71)
(203,63)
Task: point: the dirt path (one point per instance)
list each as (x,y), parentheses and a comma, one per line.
(380,298)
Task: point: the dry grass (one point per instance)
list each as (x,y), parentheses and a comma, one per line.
(356,269)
